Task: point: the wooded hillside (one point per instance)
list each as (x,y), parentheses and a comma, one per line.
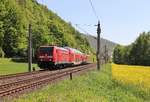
(47,28)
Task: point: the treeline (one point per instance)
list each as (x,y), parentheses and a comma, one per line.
(138,53)
(47,28)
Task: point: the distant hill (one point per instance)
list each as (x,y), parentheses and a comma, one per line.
(93,43)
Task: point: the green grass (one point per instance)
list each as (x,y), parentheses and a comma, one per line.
(9,67)
(92,87)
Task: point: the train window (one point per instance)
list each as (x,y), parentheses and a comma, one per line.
(47,50)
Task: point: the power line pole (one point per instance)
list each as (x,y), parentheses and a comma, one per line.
(29,43)
(98,46)
(29,49)
(106,54)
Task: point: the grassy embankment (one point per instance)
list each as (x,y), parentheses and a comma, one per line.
(91,87)
(9,67)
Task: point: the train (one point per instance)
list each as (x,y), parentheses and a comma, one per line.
(52,57)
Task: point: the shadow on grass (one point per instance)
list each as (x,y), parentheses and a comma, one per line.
(23,60)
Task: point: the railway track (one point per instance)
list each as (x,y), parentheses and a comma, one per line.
(22,76)
(39,79)
(3,77)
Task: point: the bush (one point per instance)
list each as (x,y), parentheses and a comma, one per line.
(2,54)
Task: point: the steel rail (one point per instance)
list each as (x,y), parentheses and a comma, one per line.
(4,77)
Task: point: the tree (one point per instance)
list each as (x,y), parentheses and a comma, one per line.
(140,53)
(14,35)
(118,54)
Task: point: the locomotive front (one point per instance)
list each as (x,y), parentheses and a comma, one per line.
(46,57)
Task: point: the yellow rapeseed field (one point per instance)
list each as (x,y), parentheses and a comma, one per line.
(137,75)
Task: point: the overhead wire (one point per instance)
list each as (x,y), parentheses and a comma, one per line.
(82,29)
(95,13)
(88,25)
(93,9)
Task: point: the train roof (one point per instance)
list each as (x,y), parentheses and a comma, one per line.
(74,50)
(64,48)
(48,46)
(55,47)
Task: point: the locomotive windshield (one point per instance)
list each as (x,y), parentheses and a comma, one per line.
(46,50)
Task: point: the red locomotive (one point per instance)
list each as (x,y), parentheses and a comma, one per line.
(50,57)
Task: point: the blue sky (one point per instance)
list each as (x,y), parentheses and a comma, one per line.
(121,20)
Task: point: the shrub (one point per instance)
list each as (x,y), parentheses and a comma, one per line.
(2,54)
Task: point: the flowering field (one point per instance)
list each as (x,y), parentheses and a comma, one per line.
(137,75)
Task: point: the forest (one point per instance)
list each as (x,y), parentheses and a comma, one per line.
(47,28)
(137,53)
